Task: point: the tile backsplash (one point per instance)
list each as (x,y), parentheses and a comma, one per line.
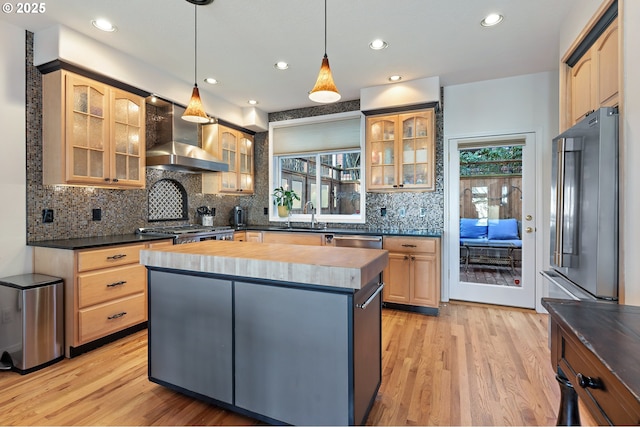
(125,210)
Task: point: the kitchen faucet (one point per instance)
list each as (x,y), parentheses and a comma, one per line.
(313,213)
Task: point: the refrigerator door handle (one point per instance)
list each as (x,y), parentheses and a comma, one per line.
(557,251)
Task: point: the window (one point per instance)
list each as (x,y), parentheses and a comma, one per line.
(320,159)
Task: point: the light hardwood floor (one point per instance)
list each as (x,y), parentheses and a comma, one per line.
(472,365)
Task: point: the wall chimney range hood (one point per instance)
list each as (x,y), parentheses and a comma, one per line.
(181,151)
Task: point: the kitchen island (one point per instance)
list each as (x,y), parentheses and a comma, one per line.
(284,333)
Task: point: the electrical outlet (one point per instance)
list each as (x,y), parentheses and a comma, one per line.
(423,212)
(47,215)
(383,211)
(402,212)
(96,214)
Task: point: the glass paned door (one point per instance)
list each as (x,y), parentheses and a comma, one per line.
(229,153)
(417,150)
(87,129)
(382,162)
(246,164)
(127,118)
(492,238)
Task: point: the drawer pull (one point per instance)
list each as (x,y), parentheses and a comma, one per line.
(406,245)
(588,382)
(117,316)
(111,285)
(118,256)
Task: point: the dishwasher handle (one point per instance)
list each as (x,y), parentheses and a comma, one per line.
(364,305)
(363,238)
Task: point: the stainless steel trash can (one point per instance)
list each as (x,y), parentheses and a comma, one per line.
(31,322)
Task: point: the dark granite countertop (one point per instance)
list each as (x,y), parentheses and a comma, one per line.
(96,242)
(416,232)
(121,239)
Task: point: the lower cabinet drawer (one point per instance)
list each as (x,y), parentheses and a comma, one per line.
(408,244)
(608,400)
(110,284)
(109,257)
(104,319)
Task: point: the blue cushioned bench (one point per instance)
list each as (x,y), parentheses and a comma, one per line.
(477,236)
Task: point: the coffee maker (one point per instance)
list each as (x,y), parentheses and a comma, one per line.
(238,217)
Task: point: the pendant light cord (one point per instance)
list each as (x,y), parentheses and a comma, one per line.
(195,49)
(325,27)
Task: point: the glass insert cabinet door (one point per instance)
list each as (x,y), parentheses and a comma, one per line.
(87,130)
(128,126)
(229,146)
(245,168)
(381,144)
(417,155)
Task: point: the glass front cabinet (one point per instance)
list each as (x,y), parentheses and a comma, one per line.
(234,148)
(401,151)
(93,134)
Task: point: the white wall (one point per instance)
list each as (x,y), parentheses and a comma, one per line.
(630,127)
(15,256)
(520,104)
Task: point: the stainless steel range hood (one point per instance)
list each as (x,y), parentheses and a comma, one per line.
(181,151)
(178,156)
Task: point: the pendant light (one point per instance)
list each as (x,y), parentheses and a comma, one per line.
(325,90)
(195,111)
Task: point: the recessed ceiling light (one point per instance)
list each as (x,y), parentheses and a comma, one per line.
(378,44)
(491,20)
(211,81)
(395,78)
(252,102)
(104,25)
(281,65)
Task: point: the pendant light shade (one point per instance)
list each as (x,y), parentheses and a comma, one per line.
(195,111)
(325,90)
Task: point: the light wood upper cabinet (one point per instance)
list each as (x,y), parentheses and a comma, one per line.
(234,148)
(93,134)
(594,80)
(606,50)
(400,151)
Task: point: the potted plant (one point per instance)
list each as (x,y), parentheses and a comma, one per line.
(283,199)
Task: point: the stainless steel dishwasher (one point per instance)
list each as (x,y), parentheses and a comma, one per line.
(353,241)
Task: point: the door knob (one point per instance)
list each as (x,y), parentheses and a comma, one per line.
(529,229)
(528,217)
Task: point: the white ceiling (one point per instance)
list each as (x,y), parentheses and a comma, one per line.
(240,40)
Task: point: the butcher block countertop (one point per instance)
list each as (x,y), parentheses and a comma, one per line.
(351,268)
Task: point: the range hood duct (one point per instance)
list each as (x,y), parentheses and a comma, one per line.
(181,153)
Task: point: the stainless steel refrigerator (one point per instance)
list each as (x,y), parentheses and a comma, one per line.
(584,209)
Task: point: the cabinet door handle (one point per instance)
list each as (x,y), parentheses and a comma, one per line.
(406,257)
(111,285)
(117,316)
(406,245)
(115,179)
(588,382)
(413,258)
(371,298)
(118,256)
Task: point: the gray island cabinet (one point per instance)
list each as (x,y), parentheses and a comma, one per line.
(283,333)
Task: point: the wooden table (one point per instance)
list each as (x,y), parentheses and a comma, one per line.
(595,347)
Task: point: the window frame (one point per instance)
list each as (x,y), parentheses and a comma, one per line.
(275,172)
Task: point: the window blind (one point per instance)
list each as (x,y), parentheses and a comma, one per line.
(317,137)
